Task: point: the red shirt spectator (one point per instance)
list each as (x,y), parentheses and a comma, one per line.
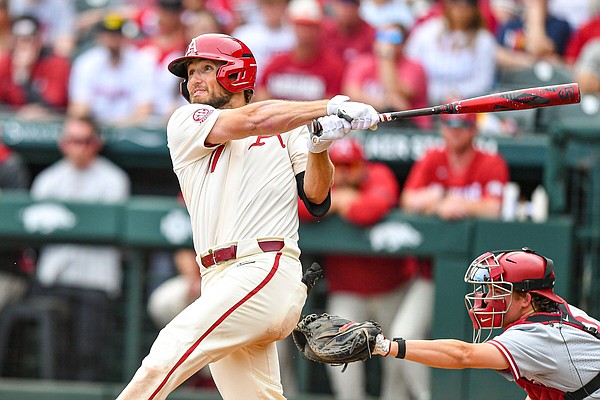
(346,33)
(31,73)
(287,77)
(388,80)
(310,70)
(457,181)
(581,37)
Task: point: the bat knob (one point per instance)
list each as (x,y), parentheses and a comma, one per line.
(316,129)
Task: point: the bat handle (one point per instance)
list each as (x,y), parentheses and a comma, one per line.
(315,128)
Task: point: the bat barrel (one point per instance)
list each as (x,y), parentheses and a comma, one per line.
(521,99)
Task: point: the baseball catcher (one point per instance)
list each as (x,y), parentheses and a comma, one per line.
(512,290)
(330,339)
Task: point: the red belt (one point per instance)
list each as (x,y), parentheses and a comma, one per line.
(229,253)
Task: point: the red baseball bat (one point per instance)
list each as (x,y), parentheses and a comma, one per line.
(520,99)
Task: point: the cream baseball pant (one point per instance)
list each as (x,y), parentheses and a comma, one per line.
(247,304)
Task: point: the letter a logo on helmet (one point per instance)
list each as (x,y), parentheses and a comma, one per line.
(236,75)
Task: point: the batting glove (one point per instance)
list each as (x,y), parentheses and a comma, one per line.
(335,102)
(382,346)
(334,128)
(360,115)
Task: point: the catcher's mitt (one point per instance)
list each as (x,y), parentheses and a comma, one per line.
(330,339)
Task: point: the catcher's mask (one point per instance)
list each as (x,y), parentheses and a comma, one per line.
(237,74)
(495,276)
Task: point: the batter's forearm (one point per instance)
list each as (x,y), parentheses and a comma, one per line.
(318,177)
(271,117)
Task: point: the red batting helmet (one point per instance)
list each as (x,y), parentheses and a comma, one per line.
(236,75)
(496,275)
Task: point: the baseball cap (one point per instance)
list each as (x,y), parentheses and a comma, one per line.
(459,120)
(346,151)
(305,12)
(112,22)
(25,25)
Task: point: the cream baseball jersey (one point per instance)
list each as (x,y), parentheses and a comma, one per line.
(240,189)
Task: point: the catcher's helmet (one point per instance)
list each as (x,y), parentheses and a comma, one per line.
(236,75)
(495,275)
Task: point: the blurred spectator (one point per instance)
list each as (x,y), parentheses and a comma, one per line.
(14,176)
(579,38)
(165,43)
(426,9)
(33,80)
(457,181)
(88,276)
(513,37)
(362,287)
(200,22)
(168,33)
(5,27)
(587,68)
(457,52)
(176,293)
(310,70)
(113,81)
(57,19)
(575,12)
(382,13)
(347,35)
(222,11)
(270,36)
(388,80)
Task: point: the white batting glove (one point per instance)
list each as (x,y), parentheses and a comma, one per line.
(334,128)
(360,115)
(335,102)
(382,345)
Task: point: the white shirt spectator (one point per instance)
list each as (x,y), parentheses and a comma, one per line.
(457,65)
(82,266)
(112,91)
(58,19)
(391,12)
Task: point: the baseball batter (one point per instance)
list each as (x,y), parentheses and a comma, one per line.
(549,347)
(241,167)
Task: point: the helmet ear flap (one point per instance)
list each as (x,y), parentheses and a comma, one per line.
(184,90)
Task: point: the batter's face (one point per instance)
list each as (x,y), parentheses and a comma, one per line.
(203,86)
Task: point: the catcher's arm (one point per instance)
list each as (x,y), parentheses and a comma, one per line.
(443,353)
